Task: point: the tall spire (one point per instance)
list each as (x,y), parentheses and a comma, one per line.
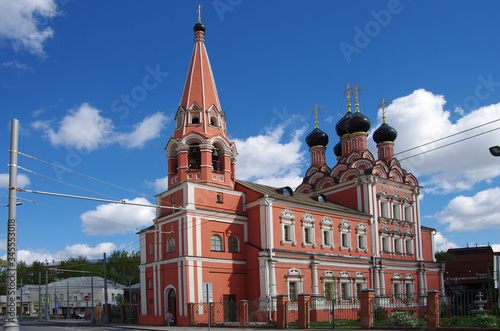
(200,84)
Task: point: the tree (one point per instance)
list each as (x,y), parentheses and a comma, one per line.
(123,266)
(443,257)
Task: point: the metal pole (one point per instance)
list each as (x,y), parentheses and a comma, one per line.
(39,296)
(106,317)
(92,294)
(46,295)
(67,298)
(11,312)
(208,308)
(21,297)
(129,314)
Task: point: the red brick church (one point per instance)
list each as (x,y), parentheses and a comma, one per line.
(348,227)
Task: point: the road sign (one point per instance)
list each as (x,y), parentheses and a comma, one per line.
(86,298)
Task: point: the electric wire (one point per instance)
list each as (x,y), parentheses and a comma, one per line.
(87,176)
(449,144)
(449,136)
(62,182)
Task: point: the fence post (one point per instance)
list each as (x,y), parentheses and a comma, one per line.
(366,310)
(432,309)
(282,311)
(190,313)
(244,313)
(304,303)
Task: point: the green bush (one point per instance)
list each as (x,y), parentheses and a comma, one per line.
(485,321)
(402,318)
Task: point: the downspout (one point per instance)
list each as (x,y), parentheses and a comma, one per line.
(270,248)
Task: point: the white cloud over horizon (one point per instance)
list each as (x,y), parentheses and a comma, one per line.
(73,251)
(441,243)
(84,128)
(159,185)
(271,160)
(22,24)
(421,118)
(472,213)
(110,219)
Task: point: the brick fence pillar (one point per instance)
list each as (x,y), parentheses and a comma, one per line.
(366,310)
(190,313)
(304,305)
(212,313)
(282,311)
(243,313)
(433,309)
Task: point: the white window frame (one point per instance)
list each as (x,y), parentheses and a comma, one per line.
(409,243)
(408,213)
(361,237)
(288,219)
(384,209)
(396,211)
(327,228)
(293,276)
(345,232)
(345,280)
(398,245)
(308,222)
(385,238)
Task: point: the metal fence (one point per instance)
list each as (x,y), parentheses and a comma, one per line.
(337,312)
(259,312)
(400,310)
(469,307)
(217,313)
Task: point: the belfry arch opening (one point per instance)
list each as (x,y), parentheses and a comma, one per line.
(194,155)
(217,158)
(174,163)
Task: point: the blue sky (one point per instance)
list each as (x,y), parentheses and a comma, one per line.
(95,86)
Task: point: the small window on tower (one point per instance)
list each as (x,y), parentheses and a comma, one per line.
(195,119)
(213,121)
(219,197)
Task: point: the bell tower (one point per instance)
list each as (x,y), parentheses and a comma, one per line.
(199,149)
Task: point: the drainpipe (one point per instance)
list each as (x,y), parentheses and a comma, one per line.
(270,248)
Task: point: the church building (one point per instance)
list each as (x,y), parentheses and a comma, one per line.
(348,227)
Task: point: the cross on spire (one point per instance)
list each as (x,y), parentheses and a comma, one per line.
(199,13)
(356,90)
(348,91)
(383,108)
(315,110)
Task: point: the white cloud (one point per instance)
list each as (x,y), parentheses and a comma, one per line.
(159,185)
(442,244)
(109,219)
(148,129)
(472,213)
(16,65)
(22,23)
(22,181)
(85,128)
(29,256)
(421,118)
(82,128)
(267,160)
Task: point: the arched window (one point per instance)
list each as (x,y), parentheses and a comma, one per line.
(216,243)
(213,121)
(195,119)
(217,160)
(171,245)
(173,159)
(233,245)
(194,156)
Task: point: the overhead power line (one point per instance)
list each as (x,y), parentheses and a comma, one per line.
(87,176)
(449,136)
(122,202)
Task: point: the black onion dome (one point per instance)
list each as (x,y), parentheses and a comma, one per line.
(358,123)
(340,127)
(337,149)
(317,138)
(385,132)
(199,27)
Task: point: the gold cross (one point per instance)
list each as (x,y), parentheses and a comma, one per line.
(383,108)
(315,114)
(348,91)
(356,90)
(199,13)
